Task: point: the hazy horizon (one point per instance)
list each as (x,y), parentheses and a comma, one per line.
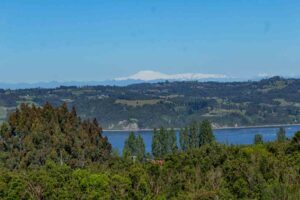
(149,75)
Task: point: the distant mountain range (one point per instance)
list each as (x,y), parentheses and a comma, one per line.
(55,84)
(140,77)
(153,75)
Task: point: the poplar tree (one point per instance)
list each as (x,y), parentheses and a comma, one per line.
(196,135)
(193,136)
(184,139)
(281,136)
(172,141)
(156,144)
(141,149)
(258,139)
(164,142)
(130,146)
(134,147)
(206,135)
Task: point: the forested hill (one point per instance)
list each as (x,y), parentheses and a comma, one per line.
(172,104)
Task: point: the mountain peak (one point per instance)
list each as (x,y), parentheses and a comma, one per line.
(149,75)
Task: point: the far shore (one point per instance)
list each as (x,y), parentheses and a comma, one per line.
(216,128)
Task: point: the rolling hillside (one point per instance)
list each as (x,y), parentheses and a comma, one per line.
(172,104)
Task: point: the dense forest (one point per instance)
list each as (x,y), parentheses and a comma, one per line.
(171,104)
(50,153)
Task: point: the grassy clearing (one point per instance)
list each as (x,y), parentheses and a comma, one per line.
(283,102)
(222,112)
(278,85)
(136,103)
(3,113)
(82,92)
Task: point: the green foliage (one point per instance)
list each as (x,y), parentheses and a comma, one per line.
(295,146)
(213,171)
(296,138)
(206,133)
(164,142)
(196,135)
(172,104)
(281,136)
(134,147)
(36,134)
(49,153)
(156,144)
(172,143)
(184,138)
(91,185)
(258,139)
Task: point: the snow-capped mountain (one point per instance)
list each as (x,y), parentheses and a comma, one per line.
(147,76)
(153,75)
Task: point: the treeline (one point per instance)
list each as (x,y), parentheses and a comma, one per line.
(265,171)
(281,137)
(164,141)
(50,153)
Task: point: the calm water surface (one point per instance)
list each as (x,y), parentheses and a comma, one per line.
(226,136)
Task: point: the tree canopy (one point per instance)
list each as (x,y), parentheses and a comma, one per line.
(33,135)
(196,135)
(258,139)
(164,142)
(213,171)
(134,147)
(281,136)
(50,153)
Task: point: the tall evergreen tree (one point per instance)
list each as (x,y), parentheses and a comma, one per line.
(156,144)
(184,139)
(193,136)
(141,148)
(134,147)
(164,142)
(196,135)
(206,135)
(130,146)
(281,136)
(172,141)
(258,139)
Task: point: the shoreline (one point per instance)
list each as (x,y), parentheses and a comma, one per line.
(219,128)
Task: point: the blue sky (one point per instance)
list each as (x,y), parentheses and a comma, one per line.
(87,40)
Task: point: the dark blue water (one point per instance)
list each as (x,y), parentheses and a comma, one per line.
(226,136)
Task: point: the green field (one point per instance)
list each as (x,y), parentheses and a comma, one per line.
(136,103)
